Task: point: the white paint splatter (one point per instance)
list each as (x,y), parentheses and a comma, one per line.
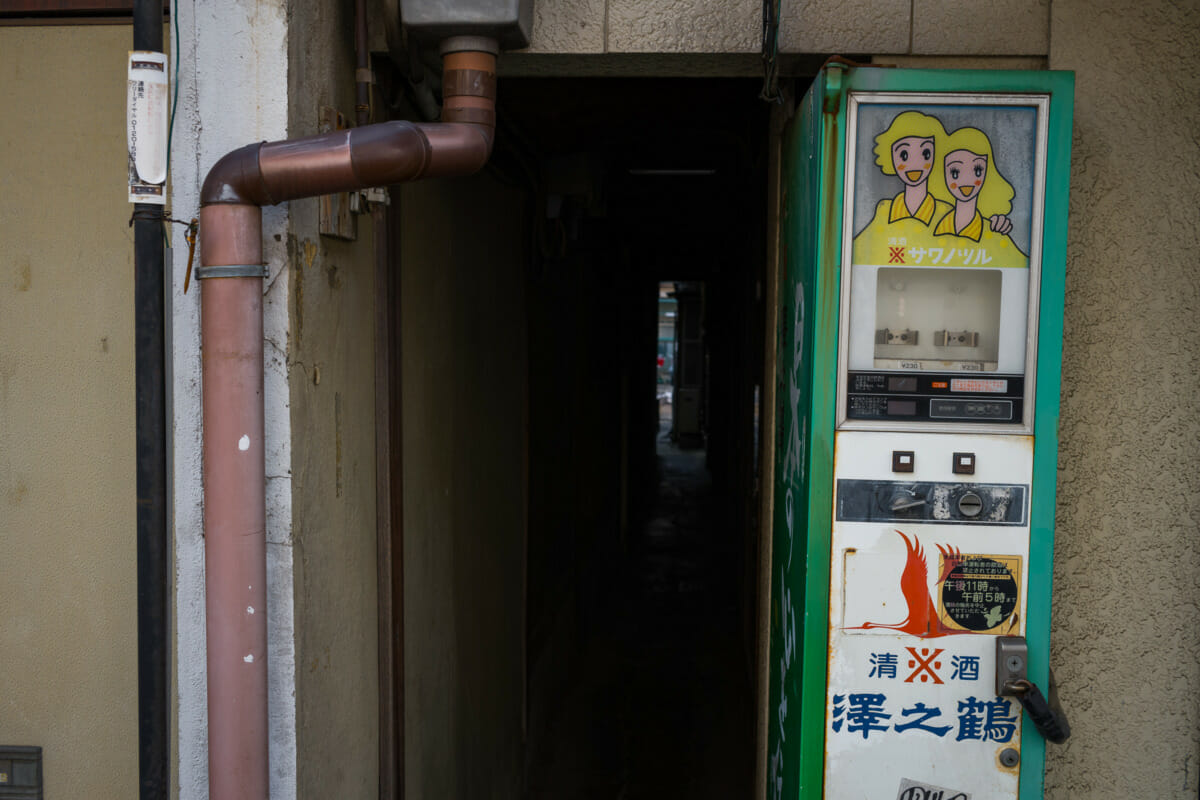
(249,659)
(244,442)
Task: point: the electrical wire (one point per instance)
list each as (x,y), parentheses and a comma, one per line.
(175,100)
(771,11)
(171,121)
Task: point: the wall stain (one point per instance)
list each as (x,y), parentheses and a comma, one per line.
(24,277)
(316,662)
(298,281)
(16,495)
(337,429)
(103,344)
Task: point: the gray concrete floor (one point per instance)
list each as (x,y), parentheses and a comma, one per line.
(663,707)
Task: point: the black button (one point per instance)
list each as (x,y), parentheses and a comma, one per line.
(903,461)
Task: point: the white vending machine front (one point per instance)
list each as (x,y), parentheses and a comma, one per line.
(934,449)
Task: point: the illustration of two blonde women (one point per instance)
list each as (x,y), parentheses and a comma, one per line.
(952,191)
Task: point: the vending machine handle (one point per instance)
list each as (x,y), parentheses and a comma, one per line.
(1012,681)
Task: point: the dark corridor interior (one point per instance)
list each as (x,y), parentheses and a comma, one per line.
(642,545)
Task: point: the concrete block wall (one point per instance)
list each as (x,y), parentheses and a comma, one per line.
(932,27)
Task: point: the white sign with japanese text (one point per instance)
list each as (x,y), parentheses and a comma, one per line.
(917,597)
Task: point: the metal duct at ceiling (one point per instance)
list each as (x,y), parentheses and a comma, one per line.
(508,21)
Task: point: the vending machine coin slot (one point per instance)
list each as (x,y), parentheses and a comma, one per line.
(931,502)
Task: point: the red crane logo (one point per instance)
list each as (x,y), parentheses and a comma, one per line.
(922,619)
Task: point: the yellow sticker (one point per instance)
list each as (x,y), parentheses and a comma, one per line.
(979,593)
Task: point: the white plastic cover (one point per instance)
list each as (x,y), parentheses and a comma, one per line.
(146,126)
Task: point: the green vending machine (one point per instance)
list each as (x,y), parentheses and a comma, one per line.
(922,249)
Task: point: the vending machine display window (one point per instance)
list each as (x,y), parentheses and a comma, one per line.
(940,257)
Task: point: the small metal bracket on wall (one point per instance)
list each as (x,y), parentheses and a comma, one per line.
(337,217)
(232,271)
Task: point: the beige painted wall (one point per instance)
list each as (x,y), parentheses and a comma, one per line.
(1126,632)
(464,389)
(331,374)
(68,635)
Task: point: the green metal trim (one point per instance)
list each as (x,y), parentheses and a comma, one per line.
(967,81)
(1049,382)
(790,507)
(825,309)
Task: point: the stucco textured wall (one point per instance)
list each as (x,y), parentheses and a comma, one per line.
(68,582)
(464,453)
(1126,632)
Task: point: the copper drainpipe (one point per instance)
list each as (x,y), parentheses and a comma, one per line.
(232,371)
(362,66)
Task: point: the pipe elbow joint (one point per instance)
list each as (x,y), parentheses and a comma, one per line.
(236,179)
(264,174)
(456,148)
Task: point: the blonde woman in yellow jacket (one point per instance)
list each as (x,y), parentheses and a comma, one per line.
(908,149)
(969,176)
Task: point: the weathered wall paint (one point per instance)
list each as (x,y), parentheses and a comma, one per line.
(464,384)
(68,580)
(233,74)
(1126,636)
(331,363)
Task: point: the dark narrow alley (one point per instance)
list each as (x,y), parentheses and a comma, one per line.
(661,706)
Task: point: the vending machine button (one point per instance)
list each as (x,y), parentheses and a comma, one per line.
(903,461)
(964,463)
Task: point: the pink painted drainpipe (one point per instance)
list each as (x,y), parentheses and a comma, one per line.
(231,332)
